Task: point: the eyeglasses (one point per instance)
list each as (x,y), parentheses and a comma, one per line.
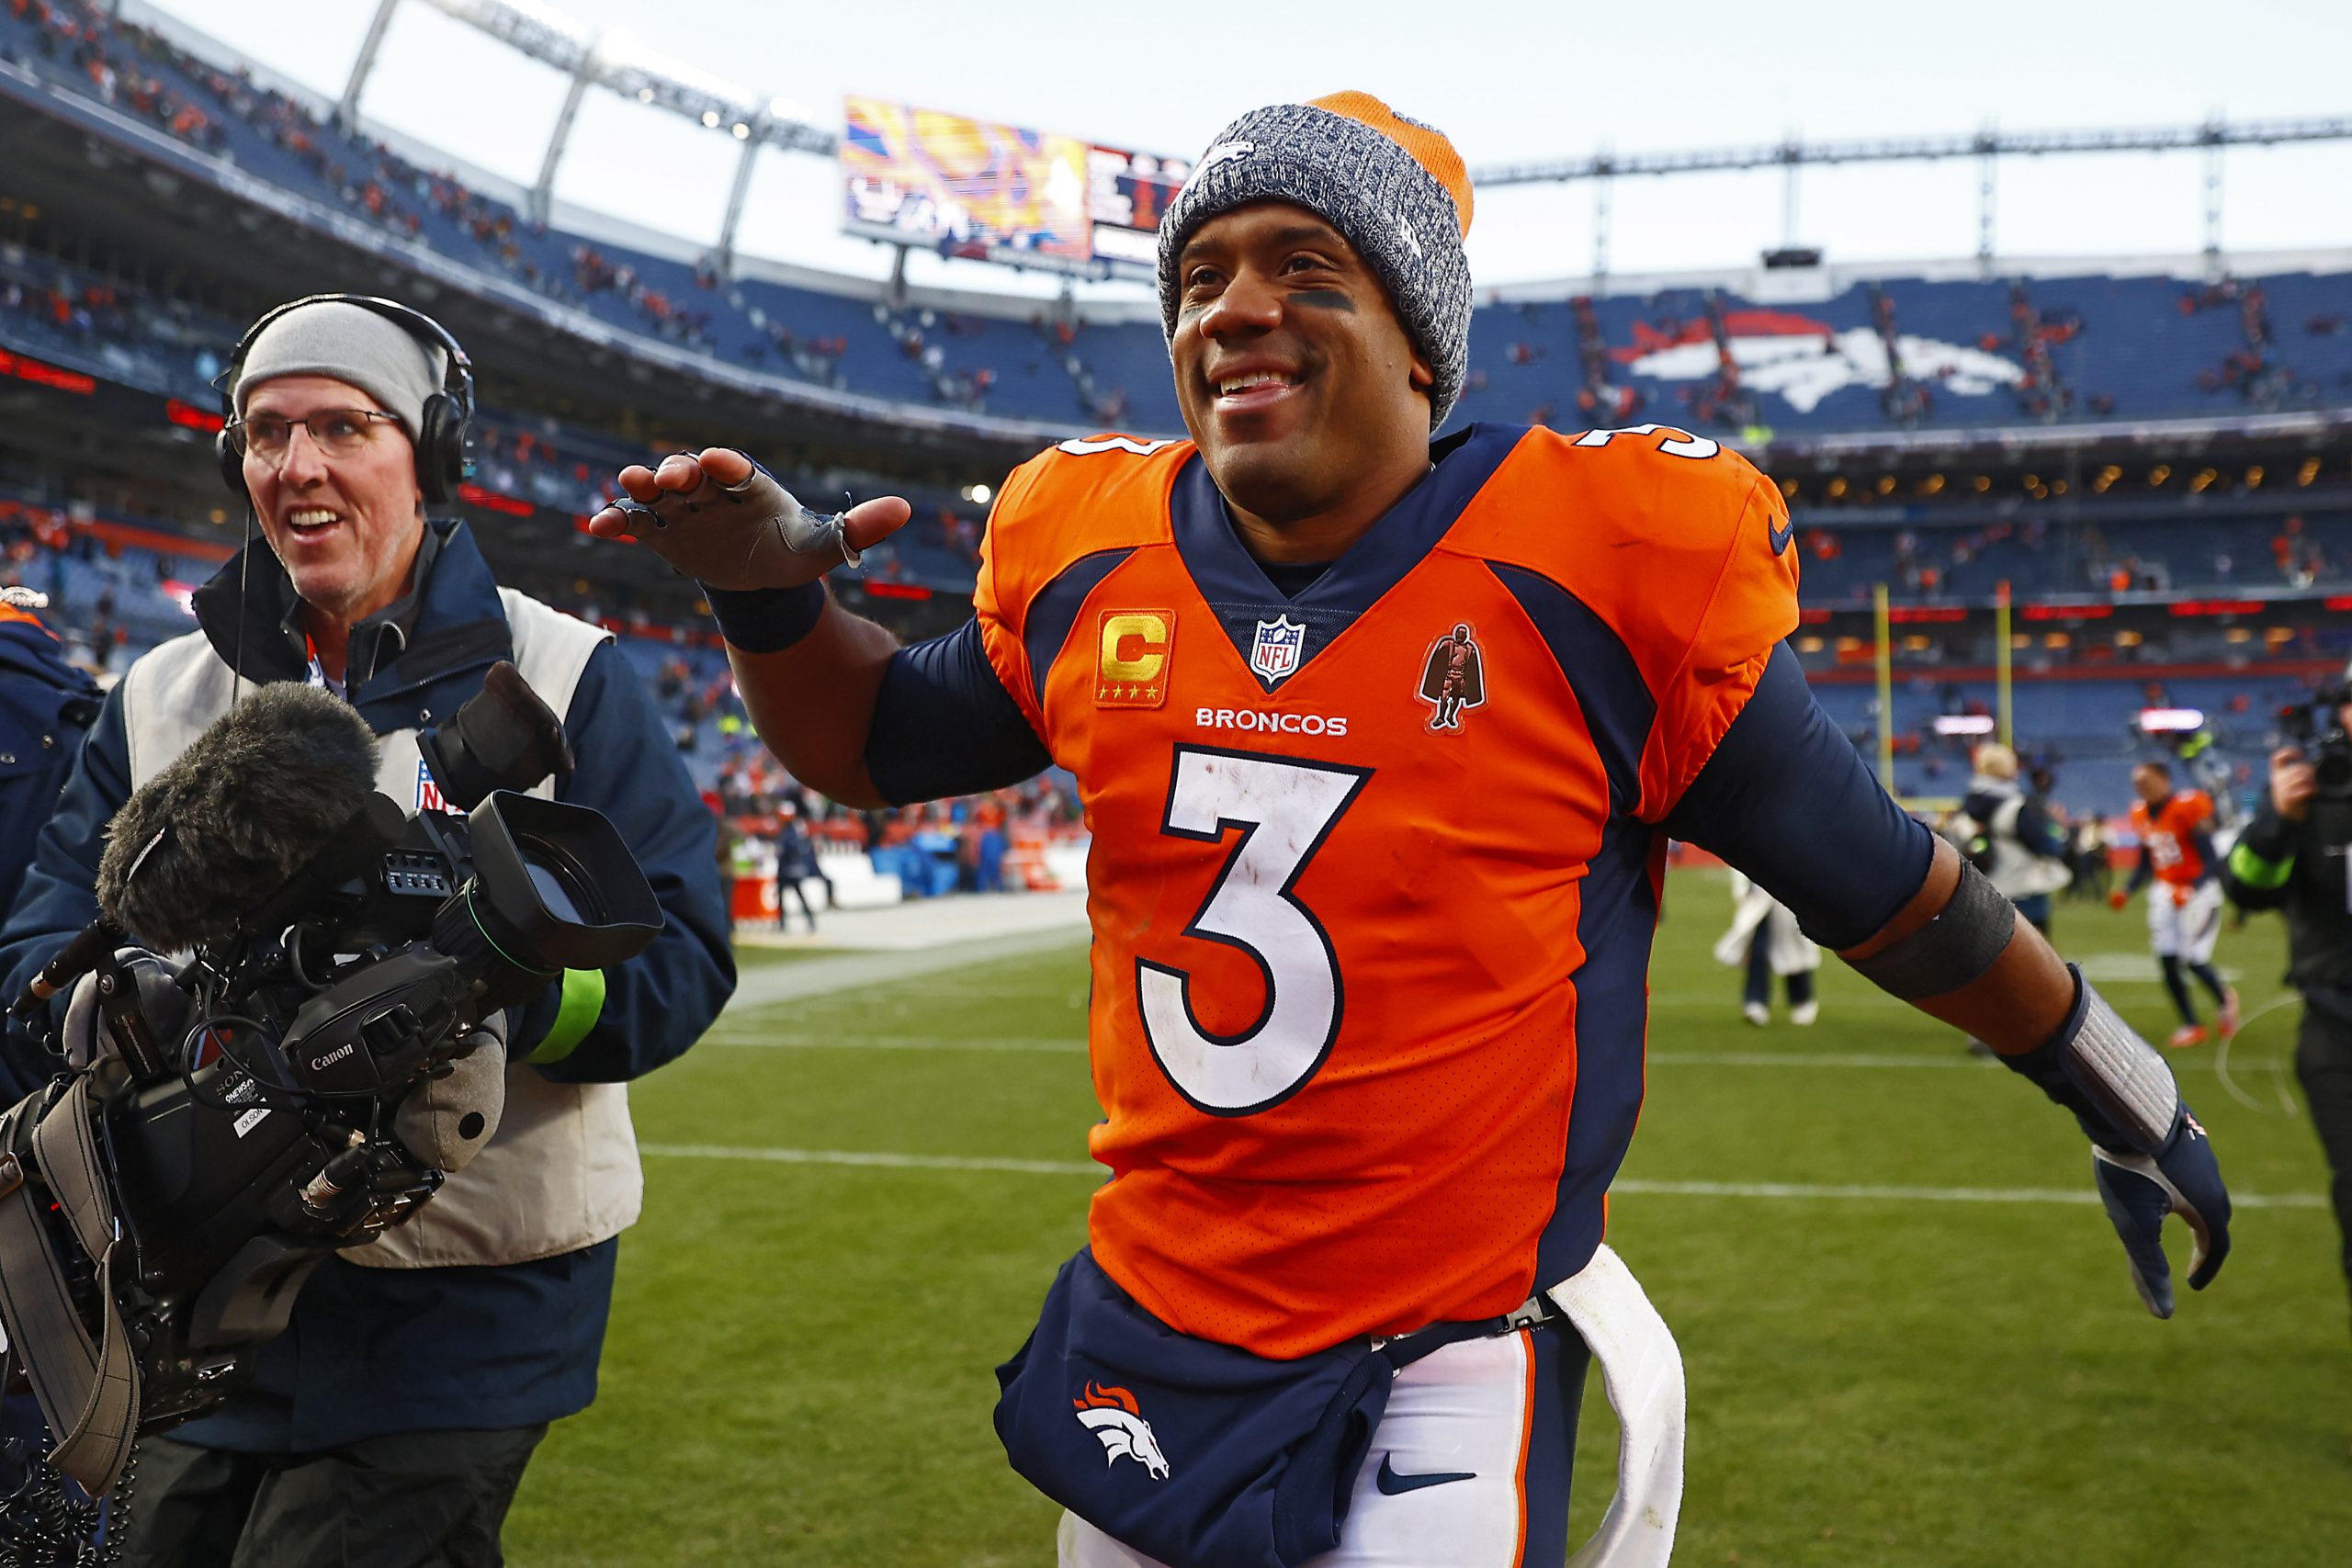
(337,433)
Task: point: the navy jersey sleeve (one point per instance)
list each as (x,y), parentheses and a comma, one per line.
(1786,799)
(944,725)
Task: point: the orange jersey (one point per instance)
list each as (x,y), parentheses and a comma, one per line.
(1375,869)
(2177,836)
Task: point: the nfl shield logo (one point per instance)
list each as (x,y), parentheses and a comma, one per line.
(1274,654)
(428,791)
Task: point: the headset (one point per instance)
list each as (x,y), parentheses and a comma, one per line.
(447,423)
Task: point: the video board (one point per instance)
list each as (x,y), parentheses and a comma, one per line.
(996,192)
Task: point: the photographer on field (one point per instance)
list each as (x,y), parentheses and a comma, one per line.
(389,1425)
(2291,857)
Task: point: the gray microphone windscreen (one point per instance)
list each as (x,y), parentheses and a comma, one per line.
(249,802)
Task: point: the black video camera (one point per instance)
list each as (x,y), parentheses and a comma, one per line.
(260,1109)
(2316,729)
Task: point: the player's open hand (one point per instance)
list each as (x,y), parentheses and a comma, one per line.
(2140,1191)
(722,519)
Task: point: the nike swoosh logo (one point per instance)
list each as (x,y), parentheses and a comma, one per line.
(1392,1485)
(1780,536)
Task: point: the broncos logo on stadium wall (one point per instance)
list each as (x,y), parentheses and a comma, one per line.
(1111,1413)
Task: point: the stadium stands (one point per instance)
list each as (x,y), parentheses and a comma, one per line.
(2221,584)
(1892,352)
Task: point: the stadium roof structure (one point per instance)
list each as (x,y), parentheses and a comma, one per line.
(619,63)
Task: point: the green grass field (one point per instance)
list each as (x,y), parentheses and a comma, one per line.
(856,1202)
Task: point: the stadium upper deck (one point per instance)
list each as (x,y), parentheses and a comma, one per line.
(1772,356)
(2215,537)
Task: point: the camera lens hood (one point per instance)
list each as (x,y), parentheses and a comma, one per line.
(556,887)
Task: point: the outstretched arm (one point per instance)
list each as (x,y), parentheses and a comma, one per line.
(808,669)
(845,708)
(1785,799)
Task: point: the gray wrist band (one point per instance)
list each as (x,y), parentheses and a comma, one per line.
(1952,950)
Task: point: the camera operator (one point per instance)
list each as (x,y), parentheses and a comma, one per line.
(2291,857)
(391,1423)
(2008,834)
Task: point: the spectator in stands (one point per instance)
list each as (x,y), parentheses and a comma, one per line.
(391,1422)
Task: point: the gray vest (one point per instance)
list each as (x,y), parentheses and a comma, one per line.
(562,1171)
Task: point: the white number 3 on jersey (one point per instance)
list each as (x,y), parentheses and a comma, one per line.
(1284,809)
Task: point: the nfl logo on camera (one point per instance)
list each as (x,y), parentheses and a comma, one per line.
(428,791)
(1274,653)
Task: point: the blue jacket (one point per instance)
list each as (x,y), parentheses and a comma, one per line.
(374,1350)
(45,704)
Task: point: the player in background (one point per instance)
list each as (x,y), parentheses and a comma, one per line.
(2181,869)
(1381,740)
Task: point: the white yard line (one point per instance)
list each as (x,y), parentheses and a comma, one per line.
(1628,1185)
(752,1039)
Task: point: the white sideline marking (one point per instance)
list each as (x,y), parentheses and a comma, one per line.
(1927,1194)
(755,1041)
(1840,1059)
(1629,1186)
(896,1162)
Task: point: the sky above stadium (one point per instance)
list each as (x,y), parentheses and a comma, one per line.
(1506,81)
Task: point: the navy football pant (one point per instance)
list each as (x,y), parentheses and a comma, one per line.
(1469,1468)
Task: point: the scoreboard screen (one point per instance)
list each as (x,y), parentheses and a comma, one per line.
(1125,194)
(996,192)
(969,186)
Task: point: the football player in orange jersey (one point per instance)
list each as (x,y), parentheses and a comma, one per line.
(2183,876)
(1381,740)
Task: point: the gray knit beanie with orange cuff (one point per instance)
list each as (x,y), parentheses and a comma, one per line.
(1394,189)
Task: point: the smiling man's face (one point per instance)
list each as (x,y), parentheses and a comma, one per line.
(1296,379)
(346,527)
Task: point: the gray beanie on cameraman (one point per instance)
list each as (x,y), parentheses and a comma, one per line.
(1394,189)
(350,343)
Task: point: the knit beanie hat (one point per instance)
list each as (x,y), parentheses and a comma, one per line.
(350,343)
(1394,189)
